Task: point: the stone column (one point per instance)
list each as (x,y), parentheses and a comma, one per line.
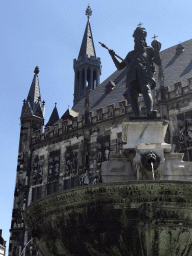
(75,89)
(76,83)
(80,80)
(85,77)
(91,79)
(97,77)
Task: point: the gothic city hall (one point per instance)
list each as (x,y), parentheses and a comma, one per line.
(113,175)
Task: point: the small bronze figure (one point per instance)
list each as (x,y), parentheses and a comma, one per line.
(140,75)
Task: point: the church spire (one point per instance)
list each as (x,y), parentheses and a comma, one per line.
(33,105)
(87,45)
(87,67)
(54,117)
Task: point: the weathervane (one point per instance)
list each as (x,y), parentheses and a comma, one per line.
(88,11)
(139,25)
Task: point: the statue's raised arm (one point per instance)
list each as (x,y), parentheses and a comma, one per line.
(119,65)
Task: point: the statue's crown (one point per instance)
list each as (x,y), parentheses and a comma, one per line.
(140,33)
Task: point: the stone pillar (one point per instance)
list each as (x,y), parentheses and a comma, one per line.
(30,196)
(75,89)
(91,79)
(97,77)
(80,80)
(85,77)
(76,83)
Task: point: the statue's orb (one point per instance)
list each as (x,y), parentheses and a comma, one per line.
(156,45)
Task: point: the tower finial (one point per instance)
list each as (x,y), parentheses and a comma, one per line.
(154,37)
(88,12)
(139,25)
(36,71)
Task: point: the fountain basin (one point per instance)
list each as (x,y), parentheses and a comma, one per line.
(133,218)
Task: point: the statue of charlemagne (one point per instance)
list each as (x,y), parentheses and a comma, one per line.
(140,75)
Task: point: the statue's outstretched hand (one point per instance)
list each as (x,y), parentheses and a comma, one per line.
(112,53)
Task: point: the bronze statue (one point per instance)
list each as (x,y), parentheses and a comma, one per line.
(140,75)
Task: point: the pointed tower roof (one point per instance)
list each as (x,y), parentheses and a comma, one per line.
(54,117)
(34,92)
(87,45)
(33,104)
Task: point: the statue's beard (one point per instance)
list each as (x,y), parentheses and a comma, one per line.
(139,45)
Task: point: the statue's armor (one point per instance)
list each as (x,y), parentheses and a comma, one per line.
(140,66)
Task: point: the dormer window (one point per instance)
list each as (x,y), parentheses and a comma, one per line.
(179,49)
(110,86)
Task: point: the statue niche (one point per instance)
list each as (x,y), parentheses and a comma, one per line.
(103,148)
(53,168)
(37,172)
(71,159)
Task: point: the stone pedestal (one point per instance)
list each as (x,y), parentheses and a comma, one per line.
(176,169)
(118,169)
(146,136)
(148,131)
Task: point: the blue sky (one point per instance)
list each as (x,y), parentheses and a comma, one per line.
(49,34)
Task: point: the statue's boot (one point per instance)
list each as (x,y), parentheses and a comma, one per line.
(152,114)
(148,99)
(135,106)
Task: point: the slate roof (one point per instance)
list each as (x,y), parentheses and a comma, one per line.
(176,67)
(34,92)
(87,45)
(54,117)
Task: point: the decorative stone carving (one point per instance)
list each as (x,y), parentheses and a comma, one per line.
(103,148)
(122,106)
(189,128)
(54,166)
(107,152)
(99,114)
(181,129)
(73,159)
(37,171)
(110,110)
